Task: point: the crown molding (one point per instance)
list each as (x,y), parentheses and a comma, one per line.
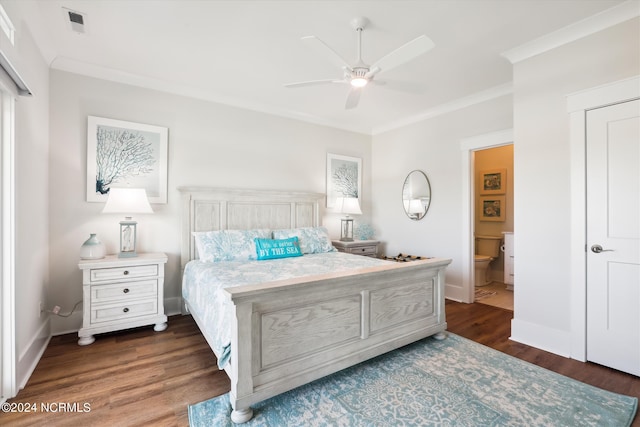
(458,104)
(593,24)
(118,76)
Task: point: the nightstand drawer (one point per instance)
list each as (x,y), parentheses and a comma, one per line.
(123,311)
(104,274)
(124,291)
(363,250)
(357,247)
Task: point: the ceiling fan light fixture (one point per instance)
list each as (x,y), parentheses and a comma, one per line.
(359,82)
(359,75)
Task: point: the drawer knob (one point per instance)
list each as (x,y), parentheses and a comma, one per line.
(362,249)
(125,290)
(125,310)
(126,272)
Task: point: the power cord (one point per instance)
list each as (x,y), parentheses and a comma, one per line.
(56,310)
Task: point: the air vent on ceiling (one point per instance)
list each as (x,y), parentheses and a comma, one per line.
(76,19)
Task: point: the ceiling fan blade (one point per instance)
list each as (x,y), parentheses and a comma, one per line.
(405,53)
(323,49)
(313,83)
(372,72)
(353,98)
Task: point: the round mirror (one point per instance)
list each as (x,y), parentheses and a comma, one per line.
(416,195)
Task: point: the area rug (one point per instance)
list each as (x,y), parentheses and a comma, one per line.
(454,382)
(483,293)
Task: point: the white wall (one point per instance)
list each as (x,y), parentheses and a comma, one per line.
(209,144)
(542,174)
(432,146)
(32,198)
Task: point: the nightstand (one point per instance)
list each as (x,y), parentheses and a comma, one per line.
(122,293)
(358,247)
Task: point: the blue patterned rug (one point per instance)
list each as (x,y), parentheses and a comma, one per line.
(454,382)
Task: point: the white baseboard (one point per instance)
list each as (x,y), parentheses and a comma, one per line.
(542,337)
(66,325)
(29,359)
(454,292)
(173,306)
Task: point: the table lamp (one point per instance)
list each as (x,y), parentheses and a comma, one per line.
(127,201)
(348,205)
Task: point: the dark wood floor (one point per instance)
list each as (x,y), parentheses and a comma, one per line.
(141,377)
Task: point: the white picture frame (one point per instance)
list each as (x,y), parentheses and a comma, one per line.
(344,177)
(141,154)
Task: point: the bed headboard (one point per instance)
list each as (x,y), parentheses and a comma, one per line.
(206,209)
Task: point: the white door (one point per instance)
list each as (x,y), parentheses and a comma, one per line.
(613,236)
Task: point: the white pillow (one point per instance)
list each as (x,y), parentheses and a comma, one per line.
(228,245)
(313,240)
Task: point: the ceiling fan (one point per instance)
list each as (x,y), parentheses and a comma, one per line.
(360,74)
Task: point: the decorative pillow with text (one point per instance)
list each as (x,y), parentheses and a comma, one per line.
(277,248)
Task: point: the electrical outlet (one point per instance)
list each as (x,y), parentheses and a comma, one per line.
(41,309)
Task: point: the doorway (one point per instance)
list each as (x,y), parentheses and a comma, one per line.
(468,147)
(577,106)
(493,224)
(613,236)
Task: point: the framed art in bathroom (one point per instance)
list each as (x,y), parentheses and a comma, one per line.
(493,181)
(492,208)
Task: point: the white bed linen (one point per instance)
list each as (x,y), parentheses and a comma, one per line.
(203,282)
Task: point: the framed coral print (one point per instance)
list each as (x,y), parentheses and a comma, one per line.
(126,154)
(492,208)
(344,177)
(493,181)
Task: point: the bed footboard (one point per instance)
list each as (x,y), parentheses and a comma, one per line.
(289,333)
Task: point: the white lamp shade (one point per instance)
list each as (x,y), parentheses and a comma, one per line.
(127,201)
(350,205)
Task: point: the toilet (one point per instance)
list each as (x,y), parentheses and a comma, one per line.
(487,249)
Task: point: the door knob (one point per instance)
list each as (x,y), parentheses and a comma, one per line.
(597,249)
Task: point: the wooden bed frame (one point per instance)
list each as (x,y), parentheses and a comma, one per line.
(290,332)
